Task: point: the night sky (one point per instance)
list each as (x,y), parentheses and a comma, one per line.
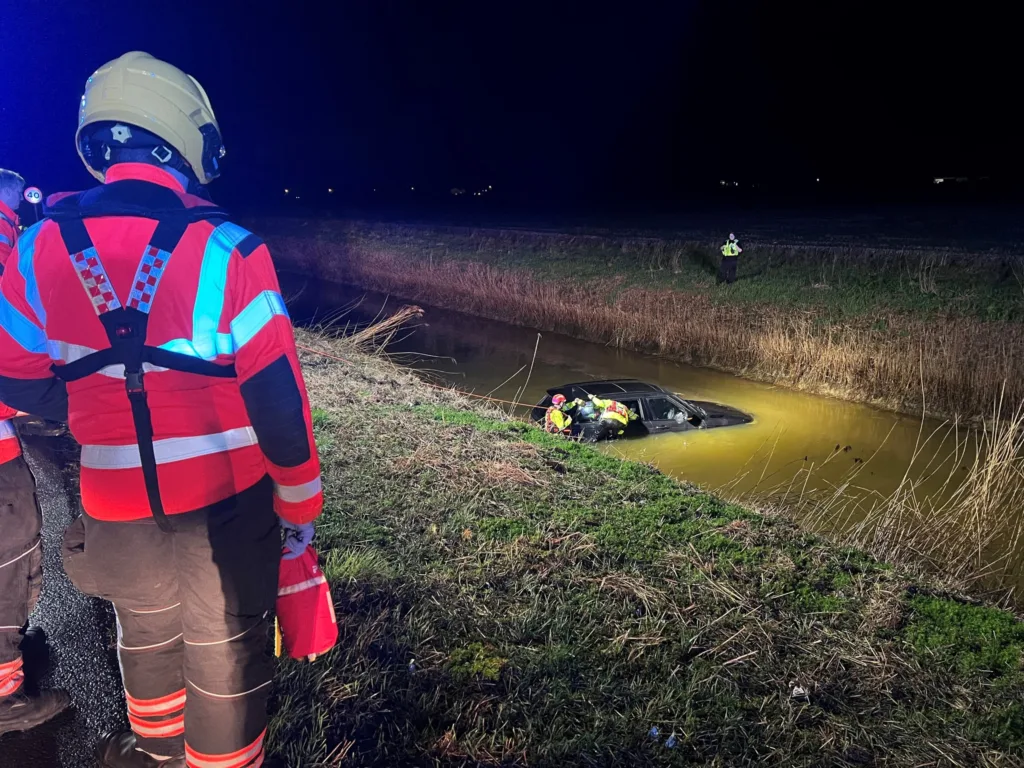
(568,102)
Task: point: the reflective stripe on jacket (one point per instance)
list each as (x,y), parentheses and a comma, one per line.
(731,248)
(214,297)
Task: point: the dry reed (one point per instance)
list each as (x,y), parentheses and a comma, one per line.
(962,362)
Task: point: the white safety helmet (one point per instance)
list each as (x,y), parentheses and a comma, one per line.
(140,101)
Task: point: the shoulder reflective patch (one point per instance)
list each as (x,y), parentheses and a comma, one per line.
(251,320)
(94,279)
(248,245)
(147,278)
(29,336)
(213,279)
(27,268)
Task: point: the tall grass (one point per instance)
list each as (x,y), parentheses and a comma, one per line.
(959,363)
(966,528)
(508,598)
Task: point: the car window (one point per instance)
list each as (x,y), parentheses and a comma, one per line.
(663,409)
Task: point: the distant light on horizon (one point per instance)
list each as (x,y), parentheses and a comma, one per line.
(330,190)
(490,187)
(413,188)
(817,179)
(286,190)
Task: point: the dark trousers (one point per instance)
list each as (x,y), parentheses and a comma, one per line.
(193,610)
(727,269)
(21,564)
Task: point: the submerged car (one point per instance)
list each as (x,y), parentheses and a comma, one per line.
(657,409)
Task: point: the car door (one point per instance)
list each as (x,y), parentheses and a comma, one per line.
(666,414)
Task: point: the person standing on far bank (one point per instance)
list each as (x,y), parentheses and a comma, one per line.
(730,256)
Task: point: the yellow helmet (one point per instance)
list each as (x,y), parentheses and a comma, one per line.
(140,101)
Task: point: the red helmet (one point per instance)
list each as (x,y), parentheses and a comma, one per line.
(558,400)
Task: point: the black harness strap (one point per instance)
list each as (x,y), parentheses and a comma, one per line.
(126,328)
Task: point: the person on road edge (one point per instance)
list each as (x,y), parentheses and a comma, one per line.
(21,563)
(159,325)
(12,185)
(730,258)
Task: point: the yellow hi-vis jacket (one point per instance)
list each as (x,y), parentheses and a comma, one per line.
(614,410)
(556,420)
(731,248)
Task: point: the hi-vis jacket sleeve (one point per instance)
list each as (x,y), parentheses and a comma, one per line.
(26,383)
(267,365)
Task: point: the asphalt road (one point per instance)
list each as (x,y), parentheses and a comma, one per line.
(80,631)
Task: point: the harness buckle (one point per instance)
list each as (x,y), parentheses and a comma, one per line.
(133,382)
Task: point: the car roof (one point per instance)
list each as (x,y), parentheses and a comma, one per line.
(606,387)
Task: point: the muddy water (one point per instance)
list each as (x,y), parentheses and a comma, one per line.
(797,444)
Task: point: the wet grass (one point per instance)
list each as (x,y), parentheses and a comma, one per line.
(510,598)
(903,329)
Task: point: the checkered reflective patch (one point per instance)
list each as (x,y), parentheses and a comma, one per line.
(95,281)
(147,278)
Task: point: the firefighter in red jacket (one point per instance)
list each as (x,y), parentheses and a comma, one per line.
(156,327)
(11,187)
(21,569)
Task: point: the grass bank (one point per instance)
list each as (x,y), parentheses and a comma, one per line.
(903,329)
(509,598)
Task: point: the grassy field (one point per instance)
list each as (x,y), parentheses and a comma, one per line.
(904,329)
(507,598)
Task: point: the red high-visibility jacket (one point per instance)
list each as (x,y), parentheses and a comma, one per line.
(214,298)
(8,234)
(10,446)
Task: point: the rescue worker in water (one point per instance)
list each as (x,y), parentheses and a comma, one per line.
(615,417)
(159,325)
(730,258)
(558,419)
(21,563)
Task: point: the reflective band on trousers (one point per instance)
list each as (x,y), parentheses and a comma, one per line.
(7,430)
(168,450)
(294,494)
(239,759)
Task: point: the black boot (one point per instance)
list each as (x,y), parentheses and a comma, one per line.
(20,712)
(118,750)
(36,655)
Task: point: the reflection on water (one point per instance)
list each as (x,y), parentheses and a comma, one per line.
(792,431)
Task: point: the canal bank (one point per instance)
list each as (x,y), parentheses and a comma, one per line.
(904,329)
(509,598)
(843,469)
